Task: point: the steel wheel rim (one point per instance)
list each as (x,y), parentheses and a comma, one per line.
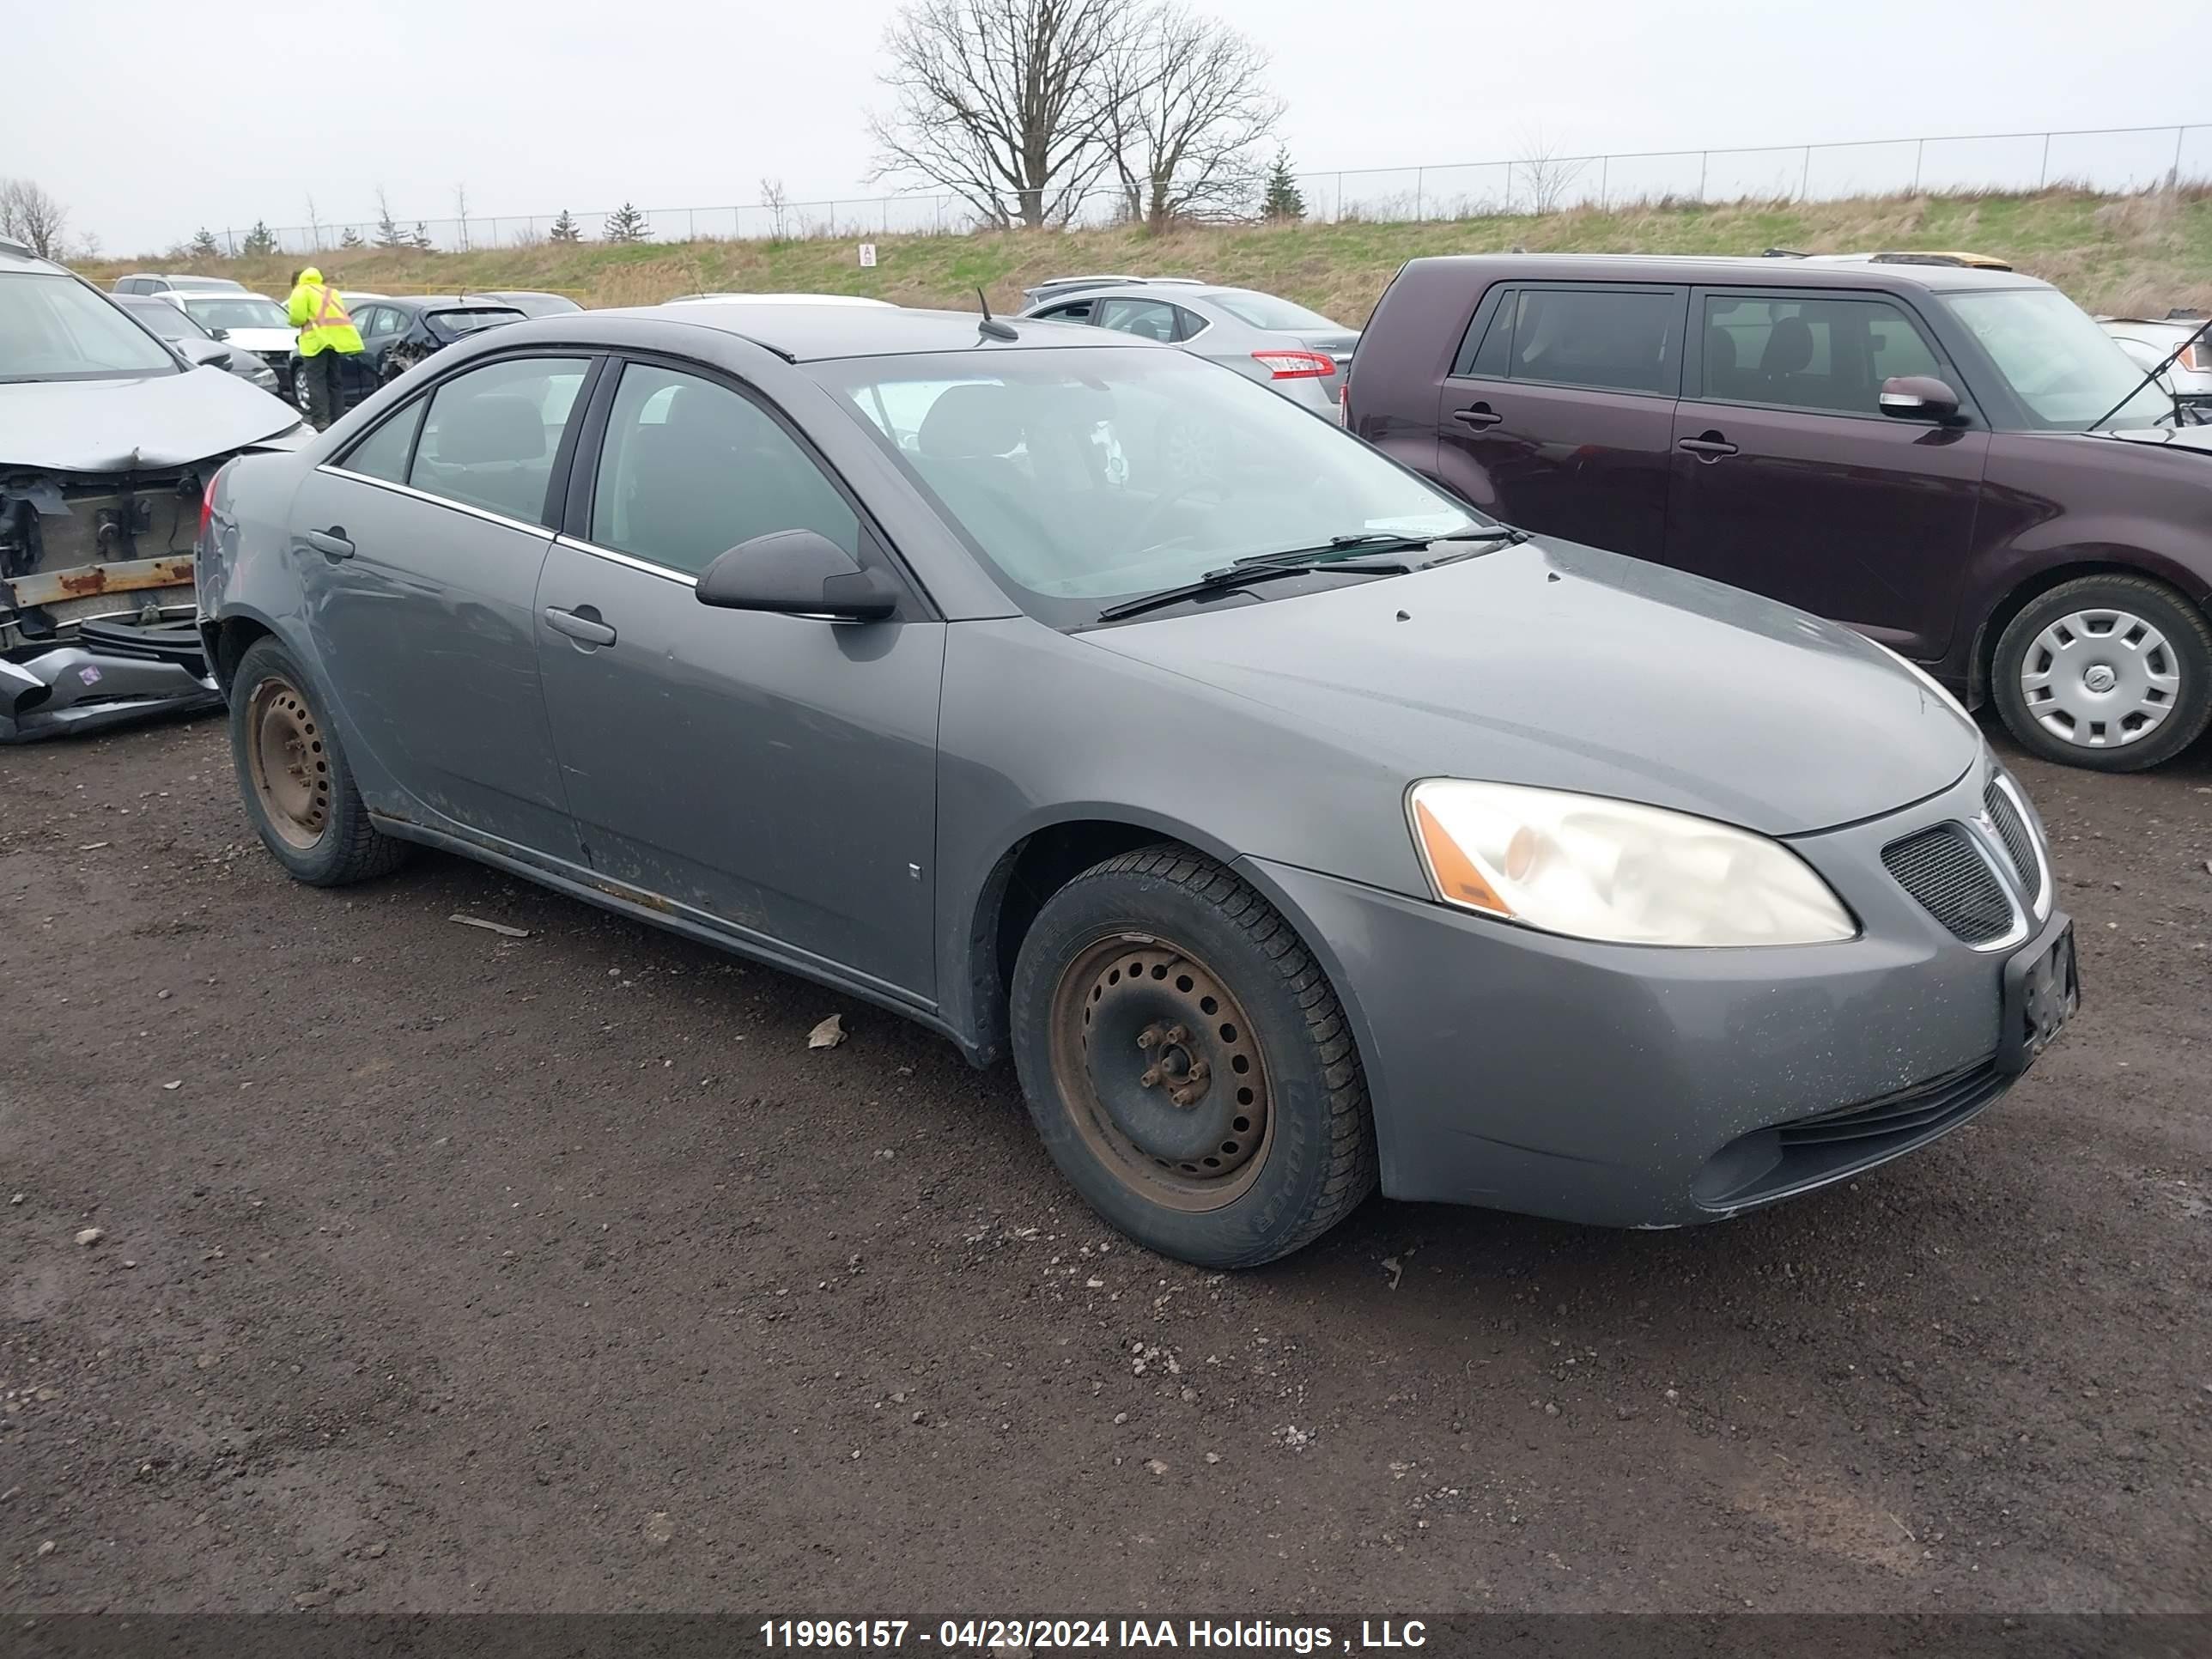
(1130,1007)
(285,759)
(2100,678)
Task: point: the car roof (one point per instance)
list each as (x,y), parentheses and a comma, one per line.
(17,256)
(721,299)
(1752,269)
(440,301)
(804,333)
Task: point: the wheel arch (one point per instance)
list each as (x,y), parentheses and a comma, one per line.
(1980,665)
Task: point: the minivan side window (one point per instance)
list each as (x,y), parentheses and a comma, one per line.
(1829,356)
(1618,339)
(690,469)
(489,436)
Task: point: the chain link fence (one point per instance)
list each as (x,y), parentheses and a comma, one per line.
(2114,159)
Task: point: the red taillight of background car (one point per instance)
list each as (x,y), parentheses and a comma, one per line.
(1296,365)
(1344,401)
(207,502)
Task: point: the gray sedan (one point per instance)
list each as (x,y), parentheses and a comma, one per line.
(1289,825)
(1299,353)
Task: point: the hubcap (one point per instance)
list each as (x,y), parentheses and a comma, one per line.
(2100,678)
(290,773)
(1161,1072)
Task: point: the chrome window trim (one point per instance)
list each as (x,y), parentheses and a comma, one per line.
(629,562)
(2039,901)
(488,516)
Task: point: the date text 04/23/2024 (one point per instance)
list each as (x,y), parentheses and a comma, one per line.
(1066,1635)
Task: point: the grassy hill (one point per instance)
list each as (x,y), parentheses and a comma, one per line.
(2112,253)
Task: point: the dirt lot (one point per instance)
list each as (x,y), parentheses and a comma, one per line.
(442,1271)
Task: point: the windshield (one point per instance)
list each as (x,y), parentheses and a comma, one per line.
(55,328)
(1086,477)
(235,310)
(467,322)
(1266,311)
(2067,371)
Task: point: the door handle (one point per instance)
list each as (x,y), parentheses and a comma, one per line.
(1708,447)
(1481,415)
(332,544)
(582,625)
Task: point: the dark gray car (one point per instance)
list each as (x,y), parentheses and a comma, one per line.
(1286,824)
(1299,353)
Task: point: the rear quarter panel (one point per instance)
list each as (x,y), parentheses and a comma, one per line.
(1404,353)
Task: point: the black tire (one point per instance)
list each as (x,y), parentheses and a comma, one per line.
(293,776)
(1207,945)
(2188,644)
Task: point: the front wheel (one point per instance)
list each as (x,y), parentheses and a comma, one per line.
(2110,672)
(1186,1062)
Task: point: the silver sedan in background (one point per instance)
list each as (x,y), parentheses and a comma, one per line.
(1299,353)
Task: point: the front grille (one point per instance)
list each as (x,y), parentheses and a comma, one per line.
(1788,1158)
(1923,1106)
(1941,867)
(2019,840)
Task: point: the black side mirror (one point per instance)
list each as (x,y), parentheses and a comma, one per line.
(1918,398)
(796,573)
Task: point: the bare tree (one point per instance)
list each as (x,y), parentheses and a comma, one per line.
(1188,112)
(29,213)
(461,212)
(314,224)
(1003,102)
(777,201)
(1544,175)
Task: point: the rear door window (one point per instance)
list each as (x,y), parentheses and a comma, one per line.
(1148,319)
(1615,339)
(489,435)
(1824,356)
(383,454)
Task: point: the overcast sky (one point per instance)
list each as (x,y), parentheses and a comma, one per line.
(150,118)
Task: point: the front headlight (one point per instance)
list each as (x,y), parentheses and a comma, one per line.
(1616,871)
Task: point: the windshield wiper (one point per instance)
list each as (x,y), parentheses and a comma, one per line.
(2151,379)
(1268,566)
(1379,541)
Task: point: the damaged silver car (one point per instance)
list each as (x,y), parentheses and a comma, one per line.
(108,438)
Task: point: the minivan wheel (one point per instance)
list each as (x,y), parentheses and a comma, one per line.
(1186,1062)
(294,778)
(2110,672)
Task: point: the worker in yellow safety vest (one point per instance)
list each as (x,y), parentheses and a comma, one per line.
(327,339)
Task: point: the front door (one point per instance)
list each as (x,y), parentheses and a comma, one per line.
(1558,410)
(420,550)
(775,774)
(1788,480)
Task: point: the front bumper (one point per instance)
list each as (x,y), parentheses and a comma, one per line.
(1632,1087)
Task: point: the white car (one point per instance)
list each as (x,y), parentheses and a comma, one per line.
(250,322)
(2150,341)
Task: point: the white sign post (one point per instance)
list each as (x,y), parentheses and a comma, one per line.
(867,256)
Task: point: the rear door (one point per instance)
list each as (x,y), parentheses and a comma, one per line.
(1787,478)
(1557,415)
(776,775)
(419,551)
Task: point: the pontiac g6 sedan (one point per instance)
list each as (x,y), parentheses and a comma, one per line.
(1289,825)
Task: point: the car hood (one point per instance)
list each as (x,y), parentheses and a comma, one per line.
(2198,438)
(258,340)
(115,426)
(1568,668)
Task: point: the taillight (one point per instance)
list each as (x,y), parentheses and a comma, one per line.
(2197,359)
(1344,401)
(1296,365)
(207,502)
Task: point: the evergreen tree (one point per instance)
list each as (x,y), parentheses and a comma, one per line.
(259,241)
(351,238)
(388,234)
(625,224)
(421,238)
(203,245)
(1284,201)
(565,229)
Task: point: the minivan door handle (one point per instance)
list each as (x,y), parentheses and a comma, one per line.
(1707,447)
(581,624)
(332,544)
(1480,415)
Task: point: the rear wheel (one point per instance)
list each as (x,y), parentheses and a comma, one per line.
(2110,672)
(297,788)
(1186,1062)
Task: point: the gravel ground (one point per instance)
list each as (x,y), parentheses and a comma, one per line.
(437,1270)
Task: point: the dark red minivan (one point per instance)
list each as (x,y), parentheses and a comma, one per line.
(1955,462)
